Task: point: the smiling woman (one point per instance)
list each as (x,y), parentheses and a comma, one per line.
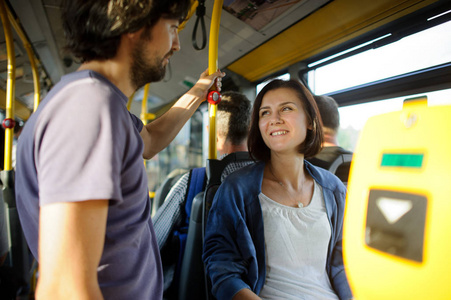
(282,117)
(303,100)
(279,209)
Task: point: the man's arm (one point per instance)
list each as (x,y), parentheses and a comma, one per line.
(71,239)
(159,133)
(169,215)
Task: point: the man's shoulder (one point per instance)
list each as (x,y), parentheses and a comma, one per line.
(90,80)
(181,184)
(84,93)
(234,162)
(327,156)
(334,150)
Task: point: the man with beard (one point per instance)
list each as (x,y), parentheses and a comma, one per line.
(80,182)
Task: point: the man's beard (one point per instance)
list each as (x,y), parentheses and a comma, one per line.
(144,71)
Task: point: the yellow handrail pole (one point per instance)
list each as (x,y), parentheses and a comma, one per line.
(144,110)
(9,132)
(31,58)
(213,67)
(144,104)
(130,100)
(145,116)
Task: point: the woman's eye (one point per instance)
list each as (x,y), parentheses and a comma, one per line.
(286,108)
(263,113)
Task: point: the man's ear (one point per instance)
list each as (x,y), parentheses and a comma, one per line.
(134,36)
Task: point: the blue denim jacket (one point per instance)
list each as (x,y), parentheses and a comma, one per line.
(234,247)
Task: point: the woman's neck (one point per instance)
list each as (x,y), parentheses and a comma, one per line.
(288,170)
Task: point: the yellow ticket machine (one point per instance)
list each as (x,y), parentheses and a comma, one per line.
(397,226)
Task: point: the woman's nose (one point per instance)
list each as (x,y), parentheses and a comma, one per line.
(276,119)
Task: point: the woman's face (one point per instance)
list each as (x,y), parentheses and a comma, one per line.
(282,120)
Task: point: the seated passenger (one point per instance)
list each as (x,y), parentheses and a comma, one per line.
(330,116)
(275,227)
(233,115)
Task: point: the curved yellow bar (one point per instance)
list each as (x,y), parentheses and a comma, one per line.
(31,58)
(9,132)
(130,100)
(144,104)
(145,116)
(212,67)
(20,110)
(191,12)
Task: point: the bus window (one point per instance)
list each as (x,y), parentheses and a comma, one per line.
(421,50)
(184,152)
(354,117)
(418,51)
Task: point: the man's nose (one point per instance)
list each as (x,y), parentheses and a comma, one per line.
(176,43)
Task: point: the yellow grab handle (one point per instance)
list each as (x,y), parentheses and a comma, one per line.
(213,67)
(9,132)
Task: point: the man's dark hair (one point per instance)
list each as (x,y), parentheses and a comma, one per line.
(312,144)
(233,117)
(93,28)
(328,109)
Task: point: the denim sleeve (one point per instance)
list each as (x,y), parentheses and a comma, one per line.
(338,277)
(227,246)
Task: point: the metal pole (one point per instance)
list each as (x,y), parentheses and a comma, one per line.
(213,67)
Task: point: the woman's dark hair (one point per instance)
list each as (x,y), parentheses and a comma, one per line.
(93,28)
(314,139)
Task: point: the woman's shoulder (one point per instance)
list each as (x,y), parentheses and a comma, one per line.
(247,179)
(325,178)
(245,172)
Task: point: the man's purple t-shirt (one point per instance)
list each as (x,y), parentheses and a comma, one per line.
(83,144)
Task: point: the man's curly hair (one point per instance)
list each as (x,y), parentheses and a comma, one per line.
(93,28)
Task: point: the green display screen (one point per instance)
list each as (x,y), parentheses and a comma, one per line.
(402,160)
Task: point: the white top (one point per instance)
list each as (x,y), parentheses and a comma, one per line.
(296,241)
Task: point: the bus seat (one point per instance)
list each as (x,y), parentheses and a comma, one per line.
(16,268)
(165,187)
(341,166)
(4,234)
(192,265)
(215,176)
(193,280)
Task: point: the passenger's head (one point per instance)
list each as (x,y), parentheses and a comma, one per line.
(94,28)
(314,134)
(328,110)
(233,117)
